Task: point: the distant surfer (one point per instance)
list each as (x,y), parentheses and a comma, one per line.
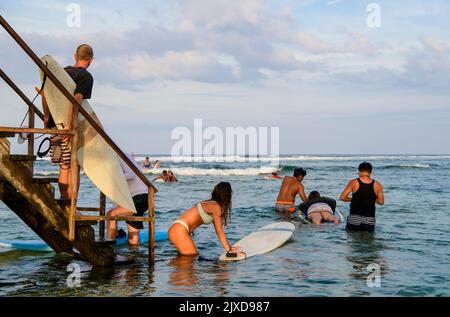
(164,176)
(172,177)
(158,164)
(319,209)
(139,192)
(366,193)
(216,211)
(290,188)
(84,81)
(274,176)
(147,164)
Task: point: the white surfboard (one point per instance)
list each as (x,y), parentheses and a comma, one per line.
(264,240)
(98,161)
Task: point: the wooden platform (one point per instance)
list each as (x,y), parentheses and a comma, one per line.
(34,202)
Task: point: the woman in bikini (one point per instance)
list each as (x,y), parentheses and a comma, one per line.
(217,210)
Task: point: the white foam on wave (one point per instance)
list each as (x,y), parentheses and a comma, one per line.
(193,171)
(300,158)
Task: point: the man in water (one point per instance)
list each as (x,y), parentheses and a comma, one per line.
(290,187)
(84,81)
(164,176)
(366,193)
(319,209)
(172,177)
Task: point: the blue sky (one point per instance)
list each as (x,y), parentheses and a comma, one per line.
(311,67)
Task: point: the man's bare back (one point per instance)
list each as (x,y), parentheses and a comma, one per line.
(289,189)
(291,186)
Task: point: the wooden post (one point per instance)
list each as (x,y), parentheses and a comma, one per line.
(101,227)
(31,113)
(151,226)
(74,175)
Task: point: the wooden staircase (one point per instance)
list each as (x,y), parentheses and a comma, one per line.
(33,200)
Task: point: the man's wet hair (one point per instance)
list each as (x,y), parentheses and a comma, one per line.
(84,52)
(164,172)
(299,172)
(314,195)
(365,167)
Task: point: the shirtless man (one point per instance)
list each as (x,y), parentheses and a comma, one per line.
(290,187)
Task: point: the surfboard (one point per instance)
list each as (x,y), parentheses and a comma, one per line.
(264,240)
(272,178)
(41,246)
(98,161)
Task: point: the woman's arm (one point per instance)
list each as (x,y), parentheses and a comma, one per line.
(219,228)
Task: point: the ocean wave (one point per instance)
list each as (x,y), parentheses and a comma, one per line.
(299,158)
(193,171)
(408,166)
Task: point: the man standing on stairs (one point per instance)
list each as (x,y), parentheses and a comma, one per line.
(84,81)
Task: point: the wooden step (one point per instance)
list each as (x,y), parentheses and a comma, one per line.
(22,158)
(105,242)
(7,134)
(45,180)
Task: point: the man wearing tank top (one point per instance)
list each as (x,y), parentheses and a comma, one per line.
(365,194)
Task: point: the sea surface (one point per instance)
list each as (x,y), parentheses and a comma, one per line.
(410,247)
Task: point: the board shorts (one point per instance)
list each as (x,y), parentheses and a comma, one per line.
(360,223)
(141,204)
(319,207)
(60,151)
(285,207)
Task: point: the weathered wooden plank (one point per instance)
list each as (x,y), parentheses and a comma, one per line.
(116,218)
(22,158)
(45,180)
(7,135)
(33,219)
(35,130)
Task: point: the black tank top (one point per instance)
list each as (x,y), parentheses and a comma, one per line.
(363,201)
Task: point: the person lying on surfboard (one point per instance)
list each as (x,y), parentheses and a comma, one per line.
(216,210)
(139,192)
(290,188)
(274,176)
(84,81)
(319,209)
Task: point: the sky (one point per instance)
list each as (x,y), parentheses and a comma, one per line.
(313,68)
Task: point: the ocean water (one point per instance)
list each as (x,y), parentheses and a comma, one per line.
(410,246)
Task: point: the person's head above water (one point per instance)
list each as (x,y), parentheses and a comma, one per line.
(84,56)
(164,172)
(222,195)
(365,168)
(274,174)
(299,173)
(313,195)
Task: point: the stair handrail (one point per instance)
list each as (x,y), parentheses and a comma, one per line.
(75,103)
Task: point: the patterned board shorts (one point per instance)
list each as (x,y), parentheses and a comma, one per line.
(60,151)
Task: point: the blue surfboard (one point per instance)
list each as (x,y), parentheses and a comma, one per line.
(41,246)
